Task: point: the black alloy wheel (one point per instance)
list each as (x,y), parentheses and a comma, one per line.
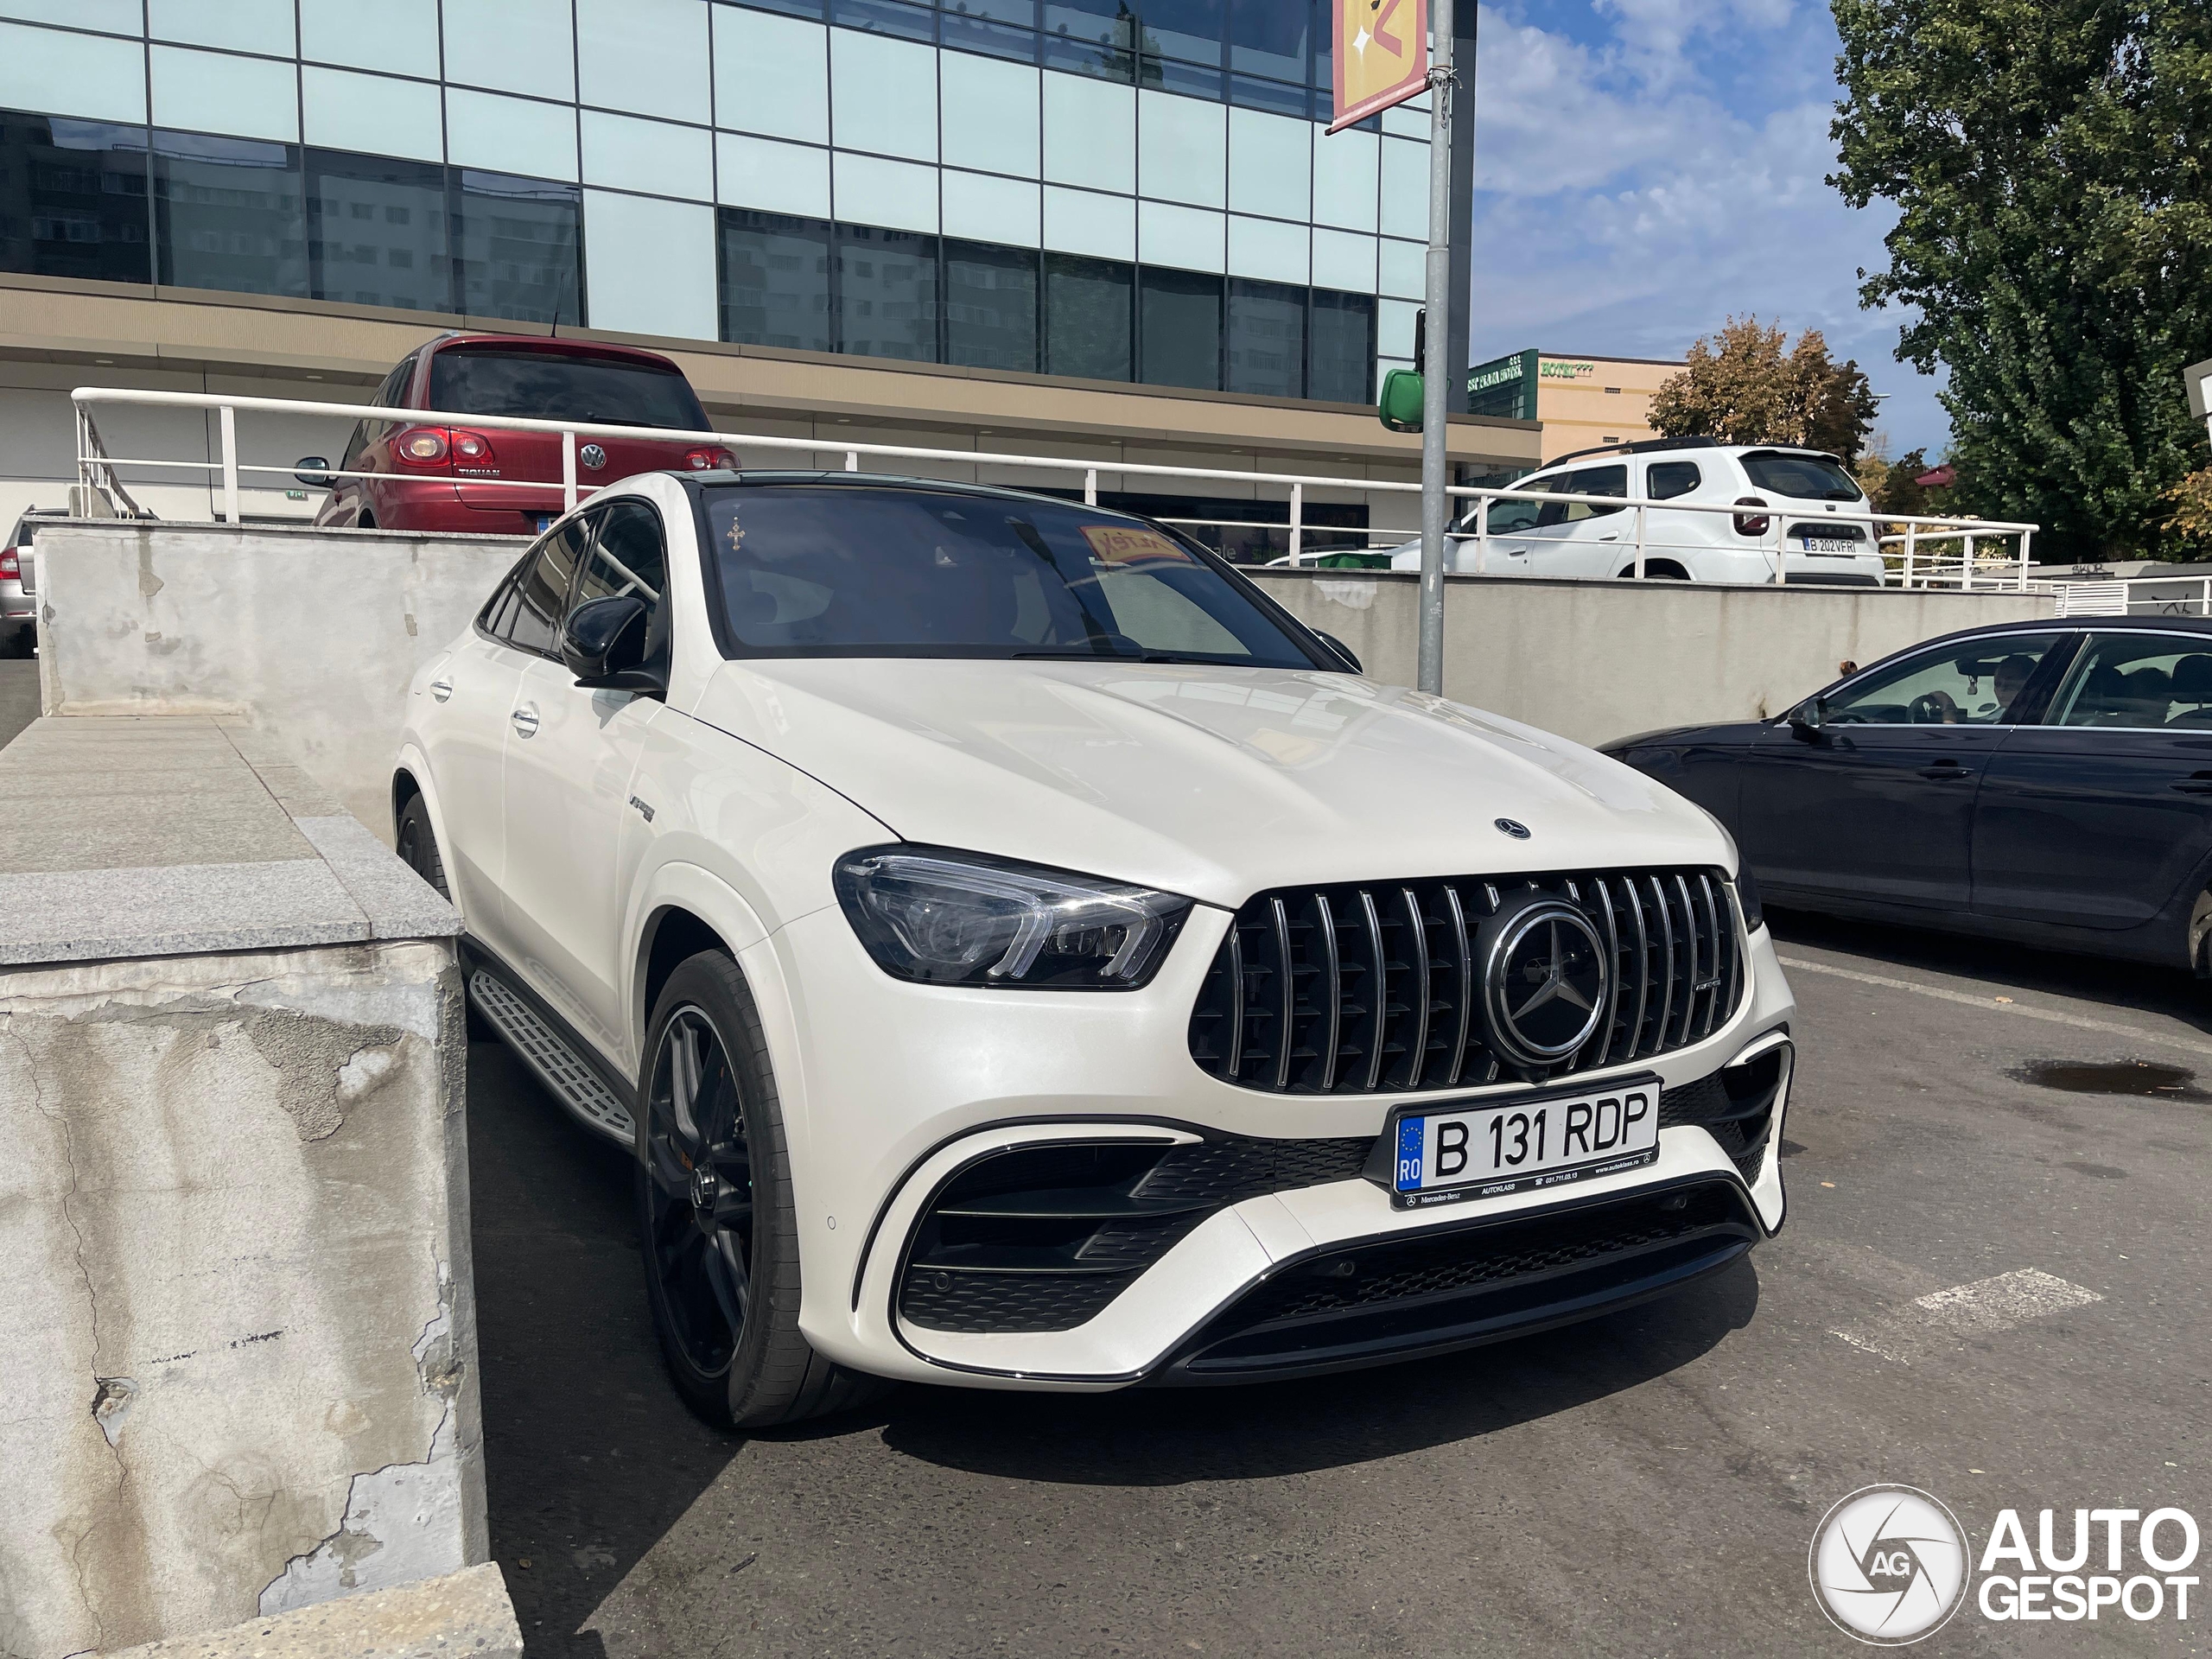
(417,846)
(698,1194)
(716,1217)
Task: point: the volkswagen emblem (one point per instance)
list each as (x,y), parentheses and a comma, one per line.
(592,456)
(1512,826)
(1546,974)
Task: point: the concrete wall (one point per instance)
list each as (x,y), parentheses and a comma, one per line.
(236,1302)
(313,635)
(1598,660)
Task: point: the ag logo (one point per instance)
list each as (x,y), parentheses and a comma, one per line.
(1889,1565)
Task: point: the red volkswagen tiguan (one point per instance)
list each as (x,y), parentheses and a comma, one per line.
(442,476)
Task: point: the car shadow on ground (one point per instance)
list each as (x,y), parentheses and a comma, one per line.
(2171,991)
(591,1458)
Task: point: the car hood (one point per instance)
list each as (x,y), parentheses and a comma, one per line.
(1214,782)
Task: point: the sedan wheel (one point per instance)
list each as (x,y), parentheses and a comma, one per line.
(699,1193)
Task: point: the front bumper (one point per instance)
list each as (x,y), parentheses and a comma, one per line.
(890,1090)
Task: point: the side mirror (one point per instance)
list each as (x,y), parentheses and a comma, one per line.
(315,472)
(603,642)
(1345,652)
(1807,718)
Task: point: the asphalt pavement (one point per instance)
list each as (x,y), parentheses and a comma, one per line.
(1645,1483)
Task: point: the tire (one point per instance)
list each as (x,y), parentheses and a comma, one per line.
(23,642)
(2199,939)
(365,521)
(717,1227)
(1655,571)
(417,846)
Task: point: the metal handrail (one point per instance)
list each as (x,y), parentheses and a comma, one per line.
(96,473)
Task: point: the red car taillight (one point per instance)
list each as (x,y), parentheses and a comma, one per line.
(424,446)
(1750,524)
(11,570)
(473,449)
(705,461)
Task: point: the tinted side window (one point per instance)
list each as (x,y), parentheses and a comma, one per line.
(1594,480)
(630,556)
(544,589)
(1511,518)
(1669,479)
(2133,681)
(1975,683)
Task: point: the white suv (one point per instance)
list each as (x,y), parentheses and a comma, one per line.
(1020,956)
(1823,512)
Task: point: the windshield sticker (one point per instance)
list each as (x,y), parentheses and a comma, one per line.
(1126,544)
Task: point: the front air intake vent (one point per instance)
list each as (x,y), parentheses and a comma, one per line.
(1398,986)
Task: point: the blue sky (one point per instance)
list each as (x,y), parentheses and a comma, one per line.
(1646,168)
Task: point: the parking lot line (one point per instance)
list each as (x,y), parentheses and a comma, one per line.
(1944,1318)
(2112,1028)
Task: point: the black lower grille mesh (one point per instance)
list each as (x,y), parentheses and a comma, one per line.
(1042,1238)
(1436,1265)
(1375,987)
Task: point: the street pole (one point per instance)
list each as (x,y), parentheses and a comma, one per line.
(1436,369)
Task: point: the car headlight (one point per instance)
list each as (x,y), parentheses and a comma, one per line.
(945,917)
(1747,895)
(1746,884)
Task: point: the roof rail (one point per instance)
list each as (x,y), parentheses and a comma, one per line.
(1639,447)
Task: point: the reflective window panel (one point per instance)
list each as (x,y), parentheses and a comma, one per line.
(230,213)
(1268,37)
(1181,330)
(1189,30)
(1267,339)
(1342,353)
(775,280)
(517,248)
(1089,316)
(73,198)
(990,306)
(377,231)
(887,293)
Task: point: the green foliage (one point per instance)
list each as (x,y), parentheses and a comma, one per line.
(2049,161)
(1742,386)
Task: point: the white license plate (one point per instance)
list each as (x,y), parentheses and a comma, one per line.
(1535,1140)
(1825,546)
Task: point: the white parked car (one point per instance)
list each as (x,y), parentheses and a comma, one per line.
(1020,956)
(1821,508)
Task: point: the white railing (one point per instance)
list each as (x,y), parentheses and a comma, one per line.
(2136,596)
(1901,540)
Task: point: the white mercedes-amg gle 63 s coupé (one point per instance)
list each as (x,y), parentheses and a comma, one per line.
(1021,955)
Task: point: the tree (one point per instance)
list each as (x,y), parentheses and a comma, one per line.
(1742,386)
(2048,159)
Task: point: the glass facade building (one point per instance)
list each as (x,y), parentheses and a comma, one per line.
(1118,190)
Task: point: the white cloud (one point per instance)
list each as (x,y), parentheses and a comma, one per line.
(1636,189)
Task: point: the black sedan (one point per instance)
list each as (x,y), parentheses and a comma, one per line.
(2046,782)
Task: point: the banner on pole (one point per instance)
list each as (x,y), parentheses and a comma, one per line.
(1381,52)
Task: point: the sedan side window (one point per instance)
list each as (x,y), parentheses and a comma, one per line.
(1975,683)
(2135,681)
(630,556)
(544,589)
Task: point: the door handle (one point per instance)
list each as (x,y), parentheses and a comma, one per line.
(2195,784)
(525,720)
(1943,771)
(441,690)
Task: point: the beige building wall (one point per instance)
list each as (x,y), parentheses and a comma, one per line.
(1584,402)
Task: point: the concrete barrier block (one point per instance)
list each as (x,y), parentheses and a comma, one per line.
(462,1614)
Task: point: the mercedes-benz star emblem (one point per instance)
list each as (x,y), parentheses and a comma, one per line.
(592,456)
(1546,982)
(1514,828)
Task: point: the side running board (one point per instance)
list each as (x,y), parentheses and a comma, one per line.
(573,1081)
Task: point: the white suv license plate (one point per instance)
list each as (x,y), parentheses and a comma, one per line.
(1814,546)
(1533,1140)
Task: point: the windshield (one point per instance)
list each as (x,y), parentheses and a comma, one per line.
(841,570)
(543,385)
(1806,478)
